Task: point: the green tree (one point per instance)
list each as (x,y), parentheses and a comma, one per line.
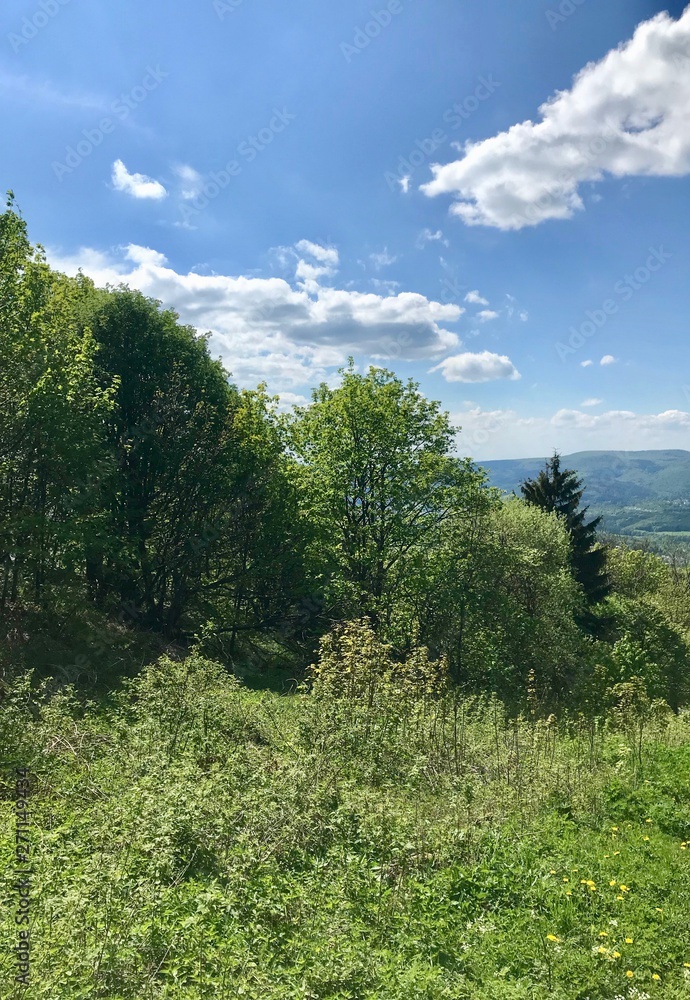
(171,446)
(52,414)
(377,480)
(560,491)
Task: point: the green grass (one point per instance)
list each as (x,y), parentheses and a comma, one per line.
(194,838)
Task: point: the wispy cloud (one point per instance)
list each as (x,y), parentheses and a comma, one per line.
(428,236)
(20,86)
(191,181)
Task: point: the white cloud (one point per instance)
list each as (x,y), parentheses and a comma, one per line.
(497,434)
(383,259)
(288,332)
(476,299)
(608,359)
(626,115)
(591,402)
(586,364)
(327,255)
(290,399)
(428,236)
(138,185)
(404,183)
(524,316)
(482,367)
(192,181)
(486,315)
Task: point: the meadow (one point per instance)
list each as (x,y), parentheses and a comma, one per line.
(195,838)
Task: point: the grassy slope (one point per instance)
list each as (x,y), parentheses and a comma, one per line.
(196,839)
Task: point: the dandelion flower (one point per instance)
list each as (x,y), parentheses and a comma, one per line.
(628,940)
(552,937)
(612,882)
(568,893)
(619,897)
(630,974)
(648,821)
(625,888)
(601,950)
(656,977)
(552,872)
(616,954)
(645,838)
(566,879)
(603,934)
(615,829)
(686,965)
(616,853)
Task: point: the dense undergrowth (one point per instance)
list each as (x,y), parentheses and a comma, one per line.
(193,838)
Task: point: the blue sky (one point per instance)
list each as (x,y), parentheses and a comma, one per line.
(314,180)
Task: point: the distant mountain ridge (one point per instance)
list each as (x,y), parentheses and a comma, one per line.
(635,491)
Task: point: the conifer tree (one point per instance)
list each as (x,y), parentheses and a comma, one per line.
(561,491)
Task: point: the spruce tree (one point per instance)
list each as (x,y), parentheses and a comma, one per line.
(560,490)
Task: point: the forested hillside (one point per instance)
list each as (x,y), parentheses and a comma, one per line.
(636,492)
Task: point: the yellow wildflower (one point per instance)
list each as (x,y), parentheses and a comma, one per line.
(552,937)
(568,893)
(566,879)
(612,882)
(628,940)
(658,909)
(601,950)
(629,974)
(645,838)
(648,821)
(625,888)
(619,897)
(603,934)
(616,853)
(616,954)
(656,977)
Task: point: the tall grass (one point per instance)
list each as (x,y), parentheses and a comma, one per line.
(196,839)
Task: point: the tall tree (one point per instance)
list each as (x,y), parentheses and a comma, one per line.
(378,479)
(52,413)
(560,491)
